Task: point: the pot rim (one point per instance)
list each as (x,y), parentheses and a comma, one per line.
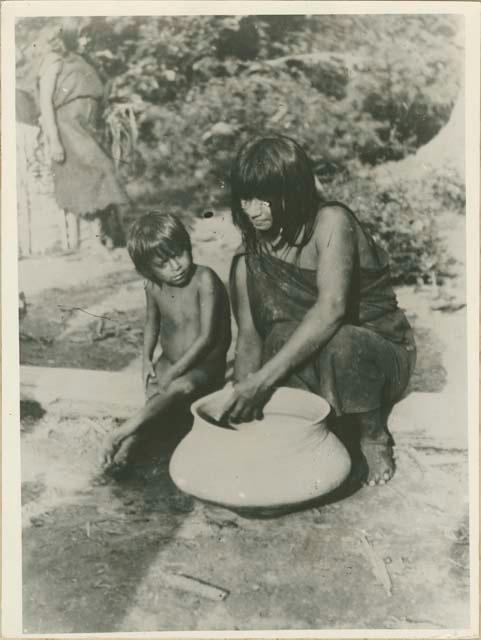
(283,400)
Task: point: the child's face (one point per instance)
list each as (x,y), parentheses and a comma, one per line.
(261,213)
(174,271)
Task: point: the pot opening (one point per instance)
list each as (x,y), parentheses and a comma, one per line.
(295,404)
(206,415)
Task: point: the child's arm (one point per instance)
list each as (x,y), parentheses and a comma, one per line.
(151,334)
(208,304)
(48,81)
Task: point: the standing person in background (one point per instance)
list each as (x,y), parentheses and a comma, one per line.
(85,182)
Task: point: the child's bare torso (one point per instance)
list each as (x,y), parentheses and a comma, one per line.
(179,309)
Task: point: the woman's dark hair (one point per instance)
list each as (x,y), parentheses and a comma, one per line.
(275,166)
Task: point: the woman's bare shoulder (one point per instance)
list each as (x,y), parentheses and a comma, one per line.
(334,216)
(240,250)
(333,211)
(333,220)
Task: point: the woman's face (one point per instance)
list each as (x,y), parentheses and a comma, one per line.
(262,213)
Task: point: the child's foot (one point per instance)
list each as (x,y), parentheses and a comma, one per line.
(379,458)
(123,451)
(115,449)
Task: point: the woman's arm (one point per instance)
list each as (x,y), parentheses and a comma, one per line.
(248,351)
(337,251)
(48,79)
(209,299)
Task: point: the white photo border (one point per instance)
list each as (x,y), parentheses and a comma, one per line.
(11,477)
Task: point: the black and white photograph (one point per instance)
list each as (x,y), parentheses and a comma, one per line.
(240,388)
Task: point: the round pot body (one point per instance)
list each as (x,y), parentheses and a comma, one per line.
(287,458)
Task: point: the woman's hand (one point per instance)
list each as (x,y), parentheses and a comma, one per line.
(247,400)
(57,152)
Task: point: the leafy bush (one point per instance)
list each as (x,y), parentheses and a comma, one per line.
(365,87)
(403,217)
(355,90)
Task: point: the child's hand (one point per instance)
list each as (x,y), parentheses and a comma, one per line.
(148,373)
(166,380)
(57,152)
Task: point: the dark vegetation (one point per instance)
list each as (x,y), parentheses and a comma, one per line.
(356,91)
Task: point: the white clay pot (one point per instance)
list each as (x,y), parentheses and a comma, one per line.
(288,458)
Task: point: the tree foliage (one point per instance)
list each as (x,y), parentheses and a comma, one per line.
(387,88)
(184,91)
(403,217)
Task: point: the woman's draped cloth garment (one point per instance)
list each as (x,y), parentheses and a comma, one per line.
(366,364)
(86,181)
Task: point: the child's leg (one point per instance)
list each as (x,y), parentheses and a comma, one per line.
(154,407)
(154,386)
(184,389)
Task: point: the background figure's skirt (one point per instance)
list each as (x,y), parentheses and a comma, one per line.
(86,181)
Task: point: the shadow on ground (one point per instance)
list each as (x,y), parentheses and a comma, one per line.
(84,559)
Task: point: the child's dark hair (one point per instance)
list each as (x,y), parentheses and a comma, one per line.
(275,166)
(154,235)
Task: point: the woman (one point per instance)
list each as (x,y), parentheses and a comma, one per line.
(84,175)
(313,301)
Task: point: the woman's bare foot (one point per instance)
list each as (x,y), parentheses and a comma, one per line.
(376,446)
(380,461)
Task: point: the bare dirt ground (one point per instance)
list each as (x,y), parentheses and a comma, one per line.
(100,555)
